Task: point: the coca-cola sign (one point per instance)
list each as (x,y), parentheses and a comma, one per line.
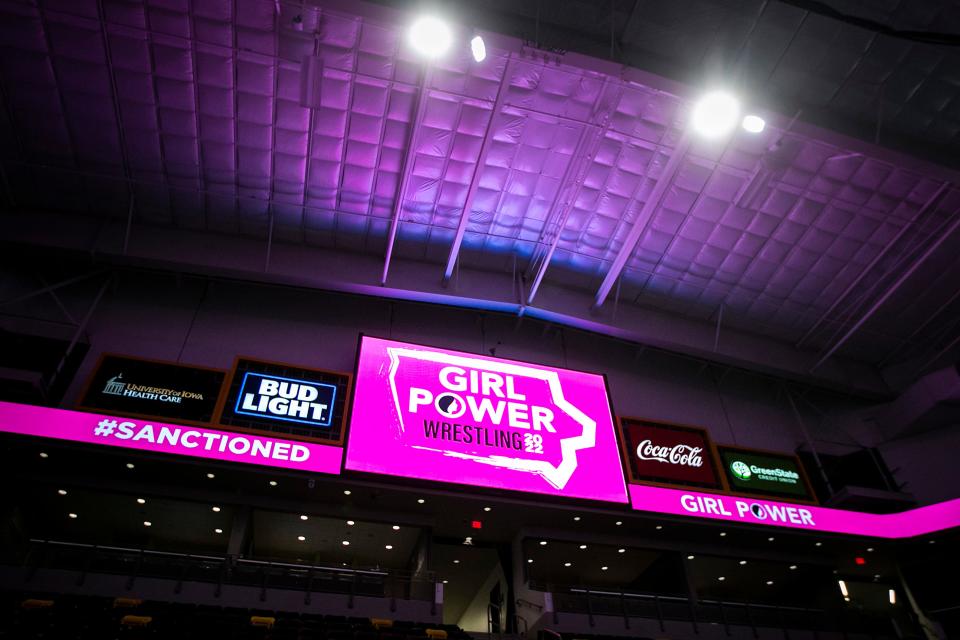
(668,453)
(677,454)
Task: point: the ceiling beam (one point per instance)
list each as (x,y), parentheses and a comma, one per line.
(477,170)
(404,177)
(942,235)
(643,218)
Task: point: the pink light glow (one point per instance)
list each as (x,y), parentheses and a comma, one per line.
(149,435)
(713,506)
(434,414)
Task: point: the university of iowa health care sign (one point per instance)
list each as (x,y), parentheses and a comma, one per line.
(435,414)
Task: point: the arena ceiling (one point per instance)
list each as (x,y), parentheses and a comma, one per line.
(307,144)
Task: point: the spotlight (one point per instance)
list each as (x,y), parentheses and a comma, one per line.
(753,124)
(430,36)
(478,48)
(715,115)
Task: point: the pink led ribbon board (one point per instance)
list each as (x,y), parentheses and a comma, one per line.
(714,506)
(158,437)
(433,414)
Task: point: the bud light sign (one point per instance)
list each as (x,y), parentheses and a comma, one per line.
(300,401)
(421,412)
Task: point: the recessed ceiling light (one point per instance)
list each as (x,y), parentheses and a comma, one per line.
(211,476)
(721,578)
(933,542)
(543,543)
(583,546)
(43,454)
(346,492)
(770,539)
(345,543)
(576,518)
(659,527)
(388,547)
(690,557)
(478,49)
(753,124)
(396,527)
(445,581)
(715,114)
(303,517)
(793,567)
(147,523)
(819,544)
(723,533)
(743,562)
(486,509)
(218,530)
(215,509)
(621,550)
(567,564)
(71,515)
(604,568)
(456,562)
(529,560)
(769,582)
(350,523)
(430,36)
(62,492)
(618,522)
(273,483)
(301,538)
(869,549)
(130,465)
(420,501)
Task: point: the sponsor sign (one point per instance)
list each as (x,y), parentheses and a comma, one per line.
(435,414)
(712,506)
(167,390)
(764,473)
(674,454)
(159,437)
(270,396)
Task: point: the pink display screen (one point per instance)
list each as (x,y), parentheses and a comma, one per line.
(714,506)
(161,437)
(435,414)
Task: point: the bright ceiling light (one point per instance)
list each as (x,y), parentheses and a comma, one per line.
(529,560)
(396,527)
(769,582)
(621,550)
(753,124)
(567,564)
(301,538)
(72,515)
(346,492)
(62,492)
(430,36)
(130,465)
(211,476)
(690,557)
(659,527)
(215,509)
(486,509)
(604,568)
(843,588)
(793,567)
(456,562)
(770,539)
(303,517)
(420,501)
(583,546)
(576,518)
(893,596)
(618,522)
(273,483)
(723,534)
(350,523)
(721,578)
(478,49)
(543,543)
(44,454)
(743,562)
(141,501)
(218,530)
(345,543)
(715,115)
(147,523)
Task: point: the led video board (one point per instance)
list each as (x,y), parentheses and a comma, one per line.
(668,453)
(763,473)
(435,414)
(151,388)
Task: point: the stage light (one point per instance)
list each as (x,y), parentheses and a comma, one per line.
(543,543)
(130,465)
(456,562)
(273,483)
(430,36)
(583,546)
(346,492)
(769,582)
(753,124)
(478,48)
(604,568)
(621,550)
(743,562)
(618,523)
(715,114)
(690,557)
(721,578)
(529,560)
(420,501)
(793,567)
(211,476)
